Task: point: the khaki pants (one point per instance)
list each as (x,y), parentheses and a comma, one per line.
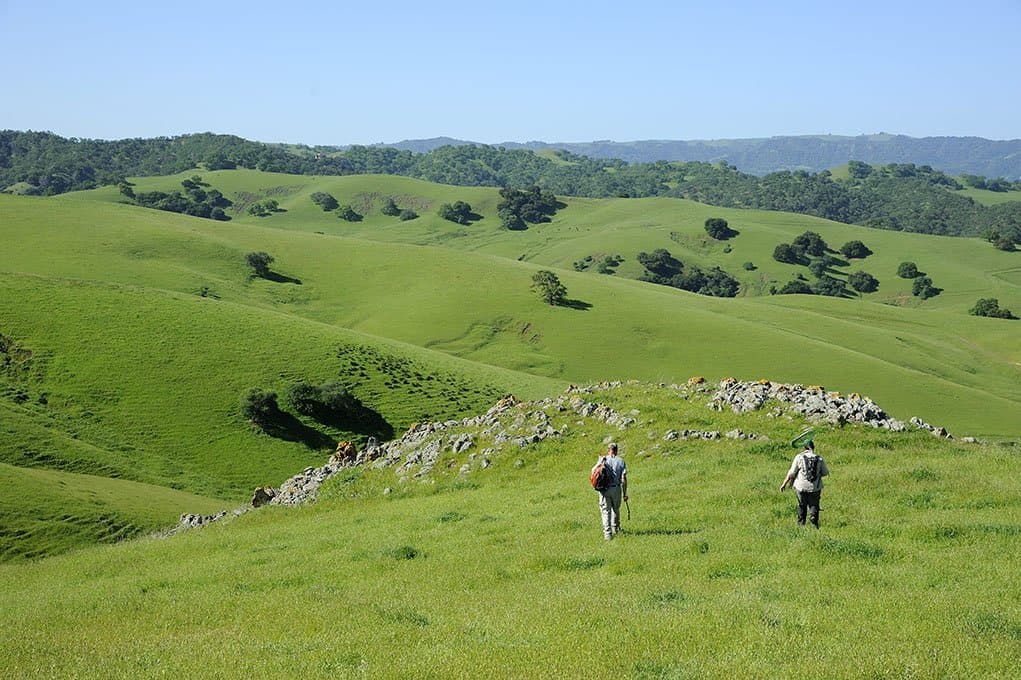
(609,506)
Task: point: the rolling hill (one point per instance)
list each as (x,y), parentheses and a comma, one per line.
(143,328)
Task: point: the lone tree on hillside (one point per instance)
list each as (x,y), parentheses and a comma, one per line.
(908,270)
(855,250)
(390,207)
(863,282)
(259,262)
(346,212)
(718,228)
(549,288)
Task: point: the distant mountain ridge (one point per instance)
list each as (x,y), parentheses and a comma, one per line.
(761,156)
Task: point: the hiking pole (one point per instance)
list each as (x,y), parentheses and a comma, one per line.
(628,510)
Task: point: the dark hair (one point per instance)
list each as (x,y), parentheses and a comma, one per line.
(613,447)
(810,445)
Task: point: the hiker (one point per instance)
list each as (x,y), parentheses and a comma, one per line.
(614,491)
(806,475)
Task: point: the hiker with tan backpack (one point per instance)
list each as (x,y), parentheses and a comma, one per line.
(609,478)
(806,473)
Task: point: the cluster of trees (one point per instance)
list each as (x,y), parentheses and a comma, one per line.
(664,269)
(995,184)
(922,286)
(458,212)
(899,196)
(811,250)
(520,208)
(327,202)
(991,307)
(329,403)
(197,199)
(391,208)
(604,265)
(264,208)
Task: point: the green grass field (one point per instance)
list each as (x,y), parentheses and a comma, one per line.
(143,328)
(504,572)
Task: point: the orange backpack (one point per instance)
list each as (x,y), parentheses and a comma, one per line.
(601,476)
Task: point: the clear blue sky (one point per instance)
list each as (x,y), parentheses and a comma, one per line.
(381,71)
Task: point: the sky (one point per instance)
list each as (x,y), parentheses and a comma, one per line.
(338,73)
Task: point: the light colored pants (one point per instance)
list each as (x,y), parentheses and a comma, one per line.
(609,506)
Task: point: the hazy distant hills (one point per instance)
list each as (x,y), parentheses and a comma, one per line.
(955,155)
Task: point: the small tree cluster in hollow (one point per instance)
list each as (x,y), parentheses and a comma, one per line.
(346,212)
(199,200)
(521,207)
(264,208)
(549,287)
(990,307)
(458,212)
(666,270)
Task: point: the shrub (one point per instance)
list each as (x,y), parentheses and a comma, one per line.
(260,406)
(749,266)
(819,266)
(990,307)
(908,270)
(407,214)
(390,208)
(863,282)
(325,201)
(855,250)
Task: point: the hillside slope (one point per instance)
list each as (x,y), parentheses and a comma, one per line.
(494,571)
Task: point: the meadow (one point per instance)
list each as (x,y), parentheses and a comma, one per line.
(503,571)
(143,328)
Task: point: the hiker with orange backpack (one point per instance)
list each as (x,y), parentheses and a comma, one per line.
(609,478)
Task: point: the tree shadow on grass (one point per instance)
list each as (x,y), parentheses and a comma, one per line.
(287,427)
(576,304)
(360,420)
(280,278)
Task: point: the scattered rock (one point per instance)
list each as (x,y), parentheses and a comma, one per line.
(263,495)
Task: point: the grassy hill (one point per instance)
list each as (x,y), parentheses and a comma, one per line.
(143,328)
(503,571)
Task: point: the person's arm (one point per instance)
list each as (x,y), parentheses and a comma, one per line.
(791,475)
(623,483)
(823,470)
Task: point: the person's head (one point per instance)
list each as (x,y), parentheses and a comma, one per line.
(810,445)
(612,449)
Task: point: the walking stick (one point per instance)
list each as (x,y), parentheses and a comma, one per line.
(628,510)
